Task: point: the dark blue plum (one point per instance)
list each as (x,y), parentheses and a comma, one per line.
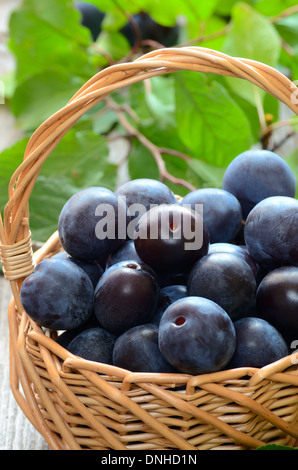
(258,344)
(237,250)
(65,337)
(92,224)
(171,238)
(141,195)
(93,344)
(168,295)
(277,301)
(92,268)
(126,252)
(126,295)
(271,232)
(221,212)
(196,336)
(226,279)
(91,17)
(137,350)
(170,279)
(257,174)
(58,295)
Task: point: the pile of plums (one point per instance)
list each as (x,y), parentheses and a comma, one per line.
(151,282)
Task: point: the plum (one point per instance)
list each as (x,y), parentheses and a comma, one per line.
(171,238)
(137,350)
(93,344)
(258,344)
(126,295)
(226,279)
(221,212)
(196,336)
(58,295)
(92,224)
(277,301)
(255,175)
(271,232)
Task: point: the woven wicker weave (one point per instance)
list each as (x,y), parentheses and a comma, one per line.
(65,397)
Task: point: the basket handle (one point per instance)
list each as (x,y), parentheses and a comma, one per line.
(15,237)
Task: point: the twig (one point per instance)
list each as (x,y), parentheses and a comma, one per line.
(154,150)
(151,44)
(134,26)
(288,49)
(102,52)
(279,144)
(175,153)
(267,133)
(222,32)
(284,14)
(208,37)
(260,109)
(272,127)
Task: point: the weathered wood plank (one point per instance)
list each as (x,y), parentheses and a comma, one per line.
(16,431)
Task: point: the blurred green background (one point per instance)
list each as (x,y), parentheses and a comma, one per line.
(198,122)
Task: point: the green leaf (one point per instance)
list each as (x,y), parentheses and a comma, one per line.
(209,122)
(164,13)
(141,163)
(252,36)
(275,447)
(160,99)
(273,7)
(10,159)
(153,103)
(61,16)
(210,175)
(204,8)
(47,36)
(104,122)
(195,10)
(290,64)
(212,27)
(113,44)
(41,95)
(224,7)
(288,30)
(82,157)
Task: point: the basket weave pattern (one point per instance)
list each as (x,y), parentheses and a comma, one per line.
(78,404)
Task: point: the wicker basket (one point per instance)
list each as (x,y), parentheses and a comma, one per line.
(78,404)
